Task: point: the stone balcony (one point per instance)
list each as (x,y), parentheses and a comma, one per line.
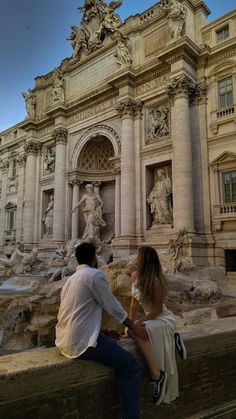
(222,116)
(224,213)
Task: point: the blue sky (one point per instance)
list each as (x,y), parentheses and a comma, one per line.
(33,41)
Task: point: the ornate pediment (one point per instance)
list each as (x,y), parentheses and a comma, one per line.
(99,21)
(226,160)
(11,206)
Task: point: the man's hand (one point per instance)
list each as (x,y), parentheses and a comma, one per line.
(139,330)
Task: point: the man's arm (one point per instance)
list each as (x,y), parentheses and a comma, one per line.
(112,306)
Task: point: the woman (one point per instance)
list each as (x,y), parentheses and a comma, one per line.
(148,290)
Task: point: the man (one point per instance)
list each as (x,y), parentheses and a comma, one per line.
(78,335)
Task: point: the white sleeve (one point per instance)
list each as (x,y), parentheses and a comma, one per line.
(104,297)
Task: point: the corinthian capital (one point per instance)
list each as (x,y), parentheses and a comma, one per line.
(32,147)
(4,165)
(181,85)
(129,108)
(60,135)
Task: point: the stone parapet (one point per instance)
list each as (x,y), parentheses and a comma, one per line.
(44,384)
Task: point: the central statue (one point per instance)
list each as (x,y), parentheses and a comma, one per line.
(92,210)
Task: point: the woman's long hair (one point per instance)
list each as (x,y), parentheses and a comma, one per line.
(149,270)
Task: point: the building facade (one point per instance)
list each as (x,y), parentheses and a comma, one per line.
(144,111)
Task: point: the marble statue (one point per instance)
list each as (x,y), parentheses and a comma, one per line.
(178,249)
(27,262)
(110,21)
(49,160)
(58,94)
(79,39)
(48,217)
(176,13)
(158,123)
(30,103)
(159,200)
(92,210)
(89,9)
(122,53)
(15,258)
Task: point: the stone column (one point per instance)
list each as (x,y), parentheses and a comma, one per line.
(180,91)
(138,189)
(21,160)
(32,148)
(116,171)
(75,215)
(60,135)
(4,169)
(126,108)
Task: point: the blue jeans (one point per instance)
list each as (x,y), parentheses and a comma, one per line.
(127,368)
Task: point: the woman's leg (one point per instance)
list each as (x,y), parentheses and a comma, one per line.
(149,355)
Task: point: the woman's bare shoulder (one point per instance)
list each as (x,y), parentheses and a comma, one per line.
(133,276)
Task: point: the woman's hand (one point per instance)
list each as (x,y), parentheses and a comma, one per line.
(139,330)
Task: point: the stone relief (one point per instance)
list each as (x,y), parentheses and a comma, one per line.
(158,123)
(122,54)
(15,258)
(176,13)
(179,248)
(48,217)
(58,94)
(49,159)
(30,103)
(99,20)
(160,200)
(92,210)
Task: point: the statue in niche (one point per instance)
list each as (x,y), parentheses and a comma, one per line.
(160,200)
(158,124)
(92,210)
(79,39)
(176,13)
(48,217)
(122,53)
(58,94)
(30,103)
(49,160)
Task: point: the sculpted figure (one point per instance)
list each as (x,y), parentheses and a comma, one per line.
(58,94)
(15,258)
(110,21)
(49,161)
(48,217)
(122,53)
(90,8)
(158,123)
(27,262)
(159,200)
(176,15)
(92,210)
(79,39)
(30,103)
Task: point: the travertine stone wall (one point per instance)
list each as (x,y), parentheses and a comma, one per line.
(43,384)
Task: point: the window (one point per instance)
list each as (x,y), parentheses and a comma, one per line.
(229,185)
(222,33)
(14,163)
(15,134)
(230,260)
(11,221)
(225,92)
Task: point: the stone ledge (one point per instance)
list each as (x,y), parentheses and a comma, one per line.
(43,384)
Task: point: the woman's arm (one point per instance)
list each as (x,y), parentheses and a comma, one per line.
(157,305)
(134,303)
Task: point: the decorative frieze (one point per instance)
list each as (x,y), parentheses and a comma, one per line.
(101,107)
(158,123)
(4,165)
(21,160)
(128,107)
(60,135)
(32,147)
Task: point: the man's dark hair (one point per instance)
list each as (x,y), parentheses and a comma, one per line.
(85,253)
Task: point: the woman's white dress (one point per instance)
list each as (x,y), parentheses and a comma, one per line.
(161,335)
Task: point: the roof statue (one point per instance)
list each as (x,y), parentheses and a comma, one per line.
(99,20)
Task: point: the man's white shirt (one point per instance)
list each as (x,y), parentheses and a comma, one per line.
(83,297)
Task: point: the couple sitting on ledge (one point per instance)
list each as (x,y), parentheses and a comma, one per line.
(78,331)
